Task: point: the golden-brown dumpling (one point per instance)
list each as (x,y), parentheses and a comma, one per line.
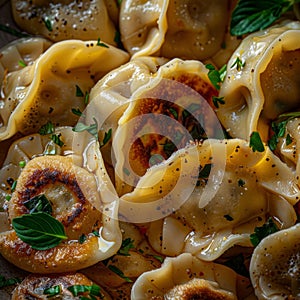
(262,81)
(275,265)
(46,90)
(187,277)
(188,29)
(65,19)
(222,208)
(83,200)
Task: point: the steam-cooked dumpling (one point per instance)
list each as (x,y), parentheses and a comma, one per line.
(187,277)
(163,115)
(44,287)
(65,19)
(262,80)
(82,199)
(217,211)
(275,265)
(25,50)
(26,148)
(185,29)
(46,90)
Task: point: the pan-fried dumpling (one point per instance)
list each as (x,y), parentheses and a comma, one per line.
(82,199)
(36,286)
(25,50)
(187,277)
(46,90)
(275,265)
(184,29)
(222,208)
(65,19)
(164,114)
(262,81)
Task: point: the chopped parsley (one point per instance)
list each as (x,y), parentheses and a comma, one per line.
(256,143)
(77,112)
(86,291)
(49,129)
(117,271)
(216,77)
(99,43)
(107,137)
(239,64)
(38,203)
(22,63)
(80,93)
(4,282)
(92,128)
(47,23)
(261,232)
(52,291)
(127,244)
(217,101)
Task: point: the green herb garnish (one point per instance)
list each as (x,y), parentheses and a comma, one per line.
(252,15)
(48,128)
(279,128)
(79,92)
(22,63)
(261,232)
(107,137)
(216,77)
(52,291)
(92,129)
(127,244)
(77,112)
(13,186)
(238,63)
(119,273)
(4,282)
(39,203)
(86,291)
(217,101)
(47,23)
(39,230)
(13,31)
(99,43)
(256,143)
(56,139)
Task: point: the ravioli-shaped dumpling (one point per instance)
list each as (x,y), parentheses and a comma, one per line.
(43,287)
(275,265)
(64,19)
(184,29)
(82,199)
(47,89)
(163,115)
(222,208)
(187,277)
(262,81)
(24,50)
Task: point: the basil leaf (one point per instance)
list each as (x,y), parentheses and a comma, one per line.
(261,232)
(39,203)
(39,230)
(252,15)
(256,143)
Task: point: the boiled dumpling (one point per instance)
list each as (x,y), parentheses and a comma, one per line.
(275,265)
(46,90)
(187,277)
(211,204)
(184,29)
(262,81)
(65,19)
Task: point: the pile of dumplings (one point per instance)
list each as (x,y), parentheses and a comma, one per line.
(108,111)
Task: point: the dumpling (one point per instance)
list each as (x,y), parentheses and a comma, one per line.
(262,81)
(25,50)
(211,204)
(275,265)
(65,286)
(82,199)
(163,115)
(46,90)
(64,19)
(187,277)
(184,29)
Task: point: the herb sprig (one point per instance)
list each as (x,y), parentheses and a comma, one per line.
(252,15)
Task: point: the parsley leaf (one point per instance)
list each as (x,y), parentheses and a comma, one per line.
(52,291)
(38,203)
(217,101)
(8,281)
(47,23)
(48,128)
(256,143)
(92,129)
(252,15)
(238,63)
(79,289)
(99,43)
(127,244)
(107,137)
(119,273)
(261,232)
(215,76)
